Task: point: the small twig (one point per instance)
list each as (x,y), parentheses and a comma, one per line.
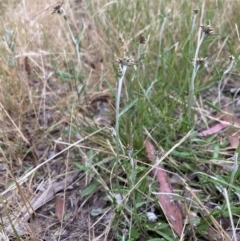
(37,202)
(21,134)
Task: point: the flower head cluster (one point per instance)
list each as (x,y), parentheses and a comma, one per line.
(58,8)
(207,29)
(231,58)
(123,63)
(127,61)
(129,149)
(201,61)
(196,11)
(158,154)
(142,39)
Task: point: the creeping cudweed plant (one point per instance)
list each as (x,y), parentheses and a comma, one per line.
(169,167)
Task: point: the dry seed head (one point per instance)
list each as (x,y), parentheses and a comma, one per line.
(120,70)
(58,8)
(207,29)
(200,61)
(129,150)
(127,61)
(158,154)
(112,131)
(142,39)
(196,11)
(231,58)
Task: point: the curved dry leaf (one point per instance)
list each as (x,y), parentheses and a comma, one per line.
(21,217)
(170,207)
(233,134)
(59,208)
(213,130)
(234,140)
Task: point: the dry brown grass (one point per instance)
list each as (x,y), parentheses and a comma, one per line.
(36,106)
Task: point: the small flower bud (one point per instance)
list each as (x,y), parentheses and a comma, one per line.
(126,61)
(120,70)
(142,39)
(129,150)
(58,8)
(196,11)
(158,154)
(200,61)
(207,29)
(231,58)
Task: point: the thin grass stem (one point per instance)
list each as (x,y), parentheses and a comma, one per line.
(225,194)
(193,23)
(194,73)
(118,95)
(227,71)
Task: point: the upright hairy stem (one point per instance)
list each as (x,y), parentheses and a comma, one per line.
(194,73)
(118,95)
